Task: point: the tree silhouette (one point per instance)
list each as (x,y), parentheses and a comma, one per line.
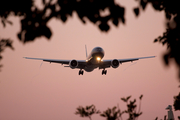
(177,102)
(113,113)
(34,21)
(3,44)
(171,37)
(88,111)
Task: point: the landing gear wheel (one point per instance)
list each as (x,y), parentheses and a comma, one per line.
(104,72)
(81,72)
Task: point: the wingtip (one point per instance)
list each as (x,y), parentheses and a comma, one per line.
(152,56)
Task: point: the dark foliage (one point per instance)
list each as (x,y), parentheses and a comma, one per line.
(3,44)
(161,119)
(113,113)
(34,21)
(171,37)
(177,102)
(88,111)
(132,107)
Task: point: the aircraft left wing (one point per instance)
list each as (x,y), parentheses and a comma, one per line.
(134,59)
(108,63)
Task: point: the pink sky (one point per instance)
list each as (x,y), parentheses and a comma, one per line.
(31,92)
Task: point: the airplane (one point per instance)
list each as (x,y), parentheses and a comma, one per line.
(93,61)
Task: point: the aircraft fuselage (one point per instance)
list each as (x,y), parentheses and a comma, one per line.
(94,59)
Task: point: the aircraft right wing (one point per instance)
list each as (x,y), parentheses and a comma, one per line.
(50,60)
(81,63)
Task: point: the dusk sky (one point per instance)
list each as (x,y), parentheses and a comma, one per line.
(31,91)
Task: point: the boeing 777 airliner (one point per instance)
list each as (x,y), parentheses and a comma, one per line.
(93,61)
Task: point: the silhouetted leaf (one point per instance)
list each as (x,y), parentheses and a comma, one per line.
(125,111)
(177,102)
(165,117)
(124,99)
(136,11)
(140,113)
(155,40)
(103,115)
(114,108)
(128,98)
(168,16)
(9,22)
(4,25)
(44,1)
(140,97)
(115,22)
(143,4)
(98,112)
(104,27)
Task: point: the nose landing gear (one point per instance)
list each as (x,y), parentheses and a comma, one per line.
(81,72)
(104,72)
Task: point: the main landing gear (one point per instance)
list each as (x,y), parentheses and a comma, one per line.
(81,72)
(104,72)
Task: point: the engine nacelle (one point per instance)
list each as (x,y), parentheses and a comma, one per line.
(115,63)
(73,64)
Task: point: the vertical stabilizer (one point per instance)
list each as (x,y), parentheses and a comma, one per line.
(86,51)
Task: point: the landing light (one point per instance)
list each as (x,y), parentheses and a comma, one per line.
(98,58)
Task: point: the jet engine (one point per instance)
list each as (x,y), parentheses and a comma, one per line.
(73,64)
(115,63)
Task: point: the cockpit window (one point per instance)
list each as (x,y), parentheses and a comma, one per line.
(98,49)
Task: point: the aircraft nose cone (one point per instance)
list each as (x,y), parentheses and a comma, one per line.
(99,49)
